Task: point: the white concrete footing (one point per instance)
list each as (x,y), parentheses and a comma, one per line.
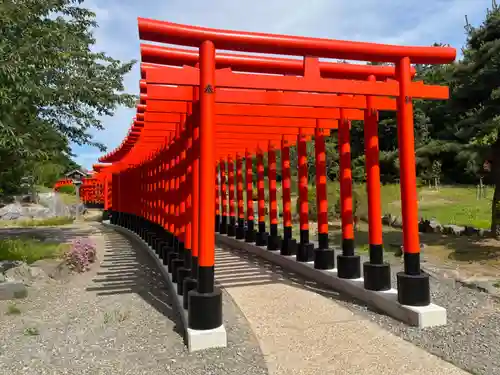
(386,301)
(195,339)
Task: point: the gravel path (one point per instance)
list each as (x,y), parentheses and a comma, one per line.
(115,319)
(301,332)
(470,340)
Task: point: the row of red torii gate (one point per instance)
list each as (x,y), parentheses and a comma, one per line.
(205,121)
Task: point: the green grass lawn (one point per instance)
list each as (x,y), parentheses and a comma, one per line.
(30,250)
(449,205)
(52,221)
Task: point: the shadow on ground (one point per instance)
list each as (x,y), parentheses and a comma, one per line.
(238,268)
(126,268)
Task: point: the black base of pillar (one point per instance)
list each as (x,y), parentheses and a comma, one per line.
(176,265)
(305,252)
(324,259)
(288,247)
(188,285)
(182,274)
(250,236)
(170,259)
(273,243)
(413,290)
(377,276)
(156,243)
(231,227)
(205,310)
(217,223)
(159,247)
(149,238)
(349,266)
(165,251)
(223,225)
(261,239)
(240,232)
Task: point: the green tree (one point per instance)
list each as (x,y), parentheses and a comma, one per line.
(476,101)
(53,87)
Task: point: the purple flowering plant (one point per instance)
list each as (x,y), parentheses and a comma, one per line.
(81,254)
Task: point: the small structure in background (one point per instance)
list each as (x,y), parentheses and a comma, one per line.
(30,195)
(76,174)
(481,187)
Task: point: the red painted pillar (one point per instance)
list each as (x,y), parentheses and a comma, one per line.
(274,240)
(348,264)
(261,238)
(324,258)
(184,264)
(305,251)
(177,187)
(240,229)
(231,227)
(289,245)
(205,304)
(189,193)
(175,256)
(191,283)
(168,196)
(171,194)
(413,285)
(250,232)
(182,185)
(223,189)
(217,198)
(376,273)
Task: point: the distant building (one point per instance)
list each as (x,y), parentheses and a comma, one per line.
(76,174)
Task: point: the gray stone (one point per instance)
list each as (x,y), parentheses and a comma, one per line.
(470,231)
(2,278)
(430,226)
(387,219)
(435,226)
(6,265)
(455,230)
(25,274)
(397,222)
(55,269)
(12,290)
(482,232)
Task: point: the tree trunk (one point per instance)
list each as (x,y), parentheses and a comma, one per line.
(495,204)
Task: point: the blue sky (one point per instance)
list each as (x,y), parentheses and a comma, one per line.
(385,21)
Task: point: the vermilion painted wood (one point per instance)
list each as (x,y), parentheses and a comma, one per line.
(225,78)
(242,100)
(155,56)
(172,33)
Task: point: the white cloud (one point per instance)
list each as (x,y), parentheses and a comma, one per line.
(388,21)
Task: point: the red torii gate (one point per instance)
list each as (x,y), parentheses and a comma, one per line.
(420,91)
(192,152)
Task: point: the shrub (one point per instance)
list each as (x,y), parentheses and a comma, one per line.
(313,210)
(68,189)
(48,222)
(29,250)
(358,204)
(81,253)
